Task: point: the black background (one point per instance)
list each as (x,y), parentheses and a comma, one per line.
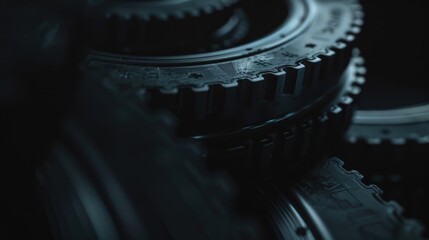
(395,48)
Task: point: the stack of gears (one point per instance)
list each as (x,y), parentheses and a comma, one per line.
(220,119)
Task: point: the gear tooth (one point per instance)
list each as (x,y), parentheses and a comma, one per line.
(230,85)
(199,89)
(312,72)
(163,16)
(422,140)
(359,61)
(195,101)
(359,14)
(375,189)
(374,141)
(180,15)
(355,30)
(319,143)
(361,70)
(354,91)
(340,46)
(169,91)
(396,208)
(357,174)
(347,39)
(304,131)
(126,16)
(398,141)
(255,88)
(352,139)
(280,83)
(343,54)
(360,81)
(358,22)
(286,144)
(294,79)
(346,103)
(256,79)
(337,124)
(328,64)
(264,148)
(275,83)
(229,92)
(194,13)
(213,102)
(335,111)
(337,162)
(167,98)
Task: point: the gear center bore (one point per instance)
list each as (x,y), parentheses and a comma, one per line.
(155,28)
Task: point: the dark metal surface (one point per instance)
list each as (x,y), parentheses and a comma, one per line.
(267,89)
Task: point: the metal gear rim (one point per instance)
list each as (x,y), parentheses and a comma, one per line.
(305,138)
(287,69)
(147,11)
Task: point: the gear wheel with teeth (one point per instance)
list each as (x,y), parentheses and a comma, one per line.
(158,27)
(163,9)
(292,142)
(274,74)
(391,148)
(332,203)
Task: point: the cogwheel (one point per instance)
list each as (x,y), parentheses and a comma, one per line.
(271,75)
(332,203)
(291,144)
(162,9)
(164,27)
(391,148)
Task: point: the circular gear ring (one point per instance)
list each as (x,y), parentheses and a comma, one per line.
(331,203)
(164,27)
(280,73)
(394,143)
(147,10)
(291,143)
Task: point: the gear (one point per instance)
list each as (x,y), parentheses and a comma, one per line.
(291,143)
(134,181)
(162,10)
(126,27)
(333,203)
(272,76)
(393,126)
(388,140)
(399,141)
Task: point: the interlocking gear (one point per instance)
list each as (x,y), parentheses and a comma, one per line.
(291,143)
(161,9)
(280,73)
